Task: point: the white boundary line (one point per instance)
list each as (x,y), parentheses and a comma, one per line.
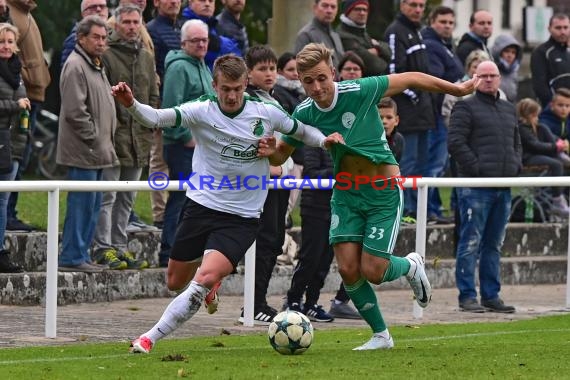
(424,339)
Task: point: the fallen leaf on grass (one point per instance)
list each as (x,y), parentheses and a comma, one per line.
(174,358)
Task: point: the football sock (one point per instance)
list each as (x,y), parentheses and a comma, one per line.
(181,309)
(398,267)
(364,298)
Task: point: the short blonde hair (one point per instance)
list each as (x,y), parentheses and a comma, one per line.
(230,66)
(4,28)
(313,54)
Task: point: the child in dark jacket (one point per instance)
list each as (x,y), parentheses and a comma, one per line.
(388,110)
(556,117)
(541,147)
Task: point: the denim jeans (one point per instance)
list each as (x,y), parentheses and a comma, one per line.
(80,219)
(4,201)
(414,162)
(437,163)
(484,217)
(179,161)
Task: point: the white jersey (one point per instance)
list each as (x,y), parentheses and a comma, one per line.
(227,175)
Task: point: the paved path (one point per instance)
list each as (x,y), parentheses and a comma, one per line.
(124,320)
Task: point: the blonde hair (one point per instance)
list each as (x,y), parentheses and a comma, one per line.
(526,108)
(313,54)
(4,28)
(476,55)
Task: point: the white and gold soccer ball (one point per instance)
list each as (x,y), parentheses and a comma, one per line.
(290,333)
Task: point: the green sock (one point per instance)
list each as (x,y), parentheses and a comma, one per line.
(364,298)
(399,266)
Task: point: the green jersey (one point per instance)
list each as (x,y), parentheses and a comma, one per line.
(354,114)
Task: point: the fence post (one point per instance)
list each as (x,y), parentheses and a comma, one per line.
(51,271)
(421,223)
(249,286)
(568,272)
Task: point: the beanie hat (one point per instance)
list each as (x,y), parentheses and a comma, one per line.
(347,5)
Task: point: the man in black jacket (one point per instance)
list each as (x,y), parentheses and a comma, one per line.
(484,141)
(415,107)
(480,29)
(550,61)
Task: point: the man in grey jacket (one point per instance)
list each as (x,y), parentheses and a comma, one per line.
(484,140)
(87,123)
(125,60)
(320,30)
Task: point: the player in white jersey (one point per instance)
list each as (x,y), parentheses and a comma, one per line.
(220,217)
(367,199)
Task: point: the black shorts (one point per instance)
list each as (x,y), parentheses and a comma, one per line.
(201,228)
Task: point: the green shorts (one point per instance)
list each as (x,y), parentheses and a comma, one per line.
(369,215)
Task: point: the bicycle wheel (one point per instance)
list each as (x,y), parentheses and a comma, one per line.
(47,162)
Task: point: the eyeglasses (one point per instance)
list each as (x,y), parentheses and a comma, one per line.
(415,5)
(349,69)
(196,41)
(95,7)
(488,76)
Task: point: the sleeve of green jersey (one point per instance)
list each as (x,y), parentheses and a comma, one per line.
(374,87)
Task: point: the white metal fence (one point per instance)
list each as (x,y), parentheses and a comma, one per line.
(54,187)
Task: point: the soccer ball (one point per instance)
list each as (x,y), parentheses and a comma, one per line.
(290,333)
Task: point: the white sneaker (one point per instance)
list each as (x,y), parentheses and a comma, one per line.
(377,342)
(418,279)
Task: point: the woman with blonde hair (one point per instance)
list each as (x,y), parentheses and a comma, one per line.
(541,147)
(13,131)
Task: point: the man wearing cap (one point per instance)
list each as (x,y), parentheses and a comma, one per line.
(352,31)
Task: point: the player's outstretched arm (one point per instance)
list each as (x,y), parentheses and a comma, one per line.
(145,114)
(399,82)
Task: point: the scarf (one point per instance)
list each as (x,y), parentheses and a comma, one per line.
(10,71)
(349,22)
(293,85)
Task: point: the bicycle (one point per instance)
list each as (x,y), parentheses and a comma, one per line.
(44,146)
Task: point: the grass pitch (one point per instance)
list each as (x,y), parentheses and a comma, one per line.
(531,349)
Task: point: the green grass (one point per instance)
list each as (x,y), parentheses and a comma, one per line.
(531,349)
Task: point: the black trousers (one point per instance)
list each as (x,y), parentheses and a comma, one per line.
(269,243)
(315,257)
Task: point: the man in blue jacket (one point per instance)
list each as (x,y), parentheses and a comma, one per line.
(442,63)
(218,44)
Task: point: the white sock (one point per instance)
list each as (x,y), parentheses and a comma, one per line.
(181,309)
(384,334)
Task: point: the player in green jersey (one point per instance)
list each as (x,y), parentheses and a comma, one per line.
(366,210)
